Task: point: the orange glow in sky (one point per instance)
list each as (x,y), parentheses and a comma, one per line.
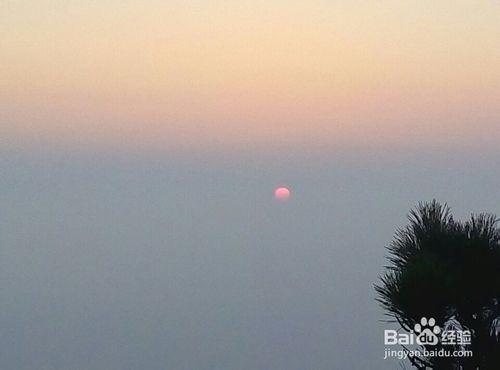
(255,74)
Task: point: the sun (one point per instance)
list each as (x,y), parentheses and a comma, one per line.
(282,193)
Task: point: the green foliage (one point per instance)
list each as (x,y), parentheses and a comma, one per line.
(438,265)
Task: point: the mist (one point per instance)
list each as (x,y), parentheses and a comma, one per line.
(187,262)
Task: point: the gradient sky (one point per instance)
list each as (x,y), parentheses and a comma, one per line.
(140,145)
(255,74)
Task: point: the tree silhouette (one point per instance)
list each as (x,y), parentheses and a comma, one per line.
(448,270)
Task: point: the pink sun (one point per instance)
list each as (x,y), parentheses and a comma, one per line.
(282,193)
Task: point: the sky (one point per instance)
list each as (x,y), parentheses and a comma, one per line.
(141,143)
(178,75)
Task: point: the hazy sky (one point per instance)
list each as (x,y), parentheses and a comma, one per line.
(186,74)
(140,145)
(169,263)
